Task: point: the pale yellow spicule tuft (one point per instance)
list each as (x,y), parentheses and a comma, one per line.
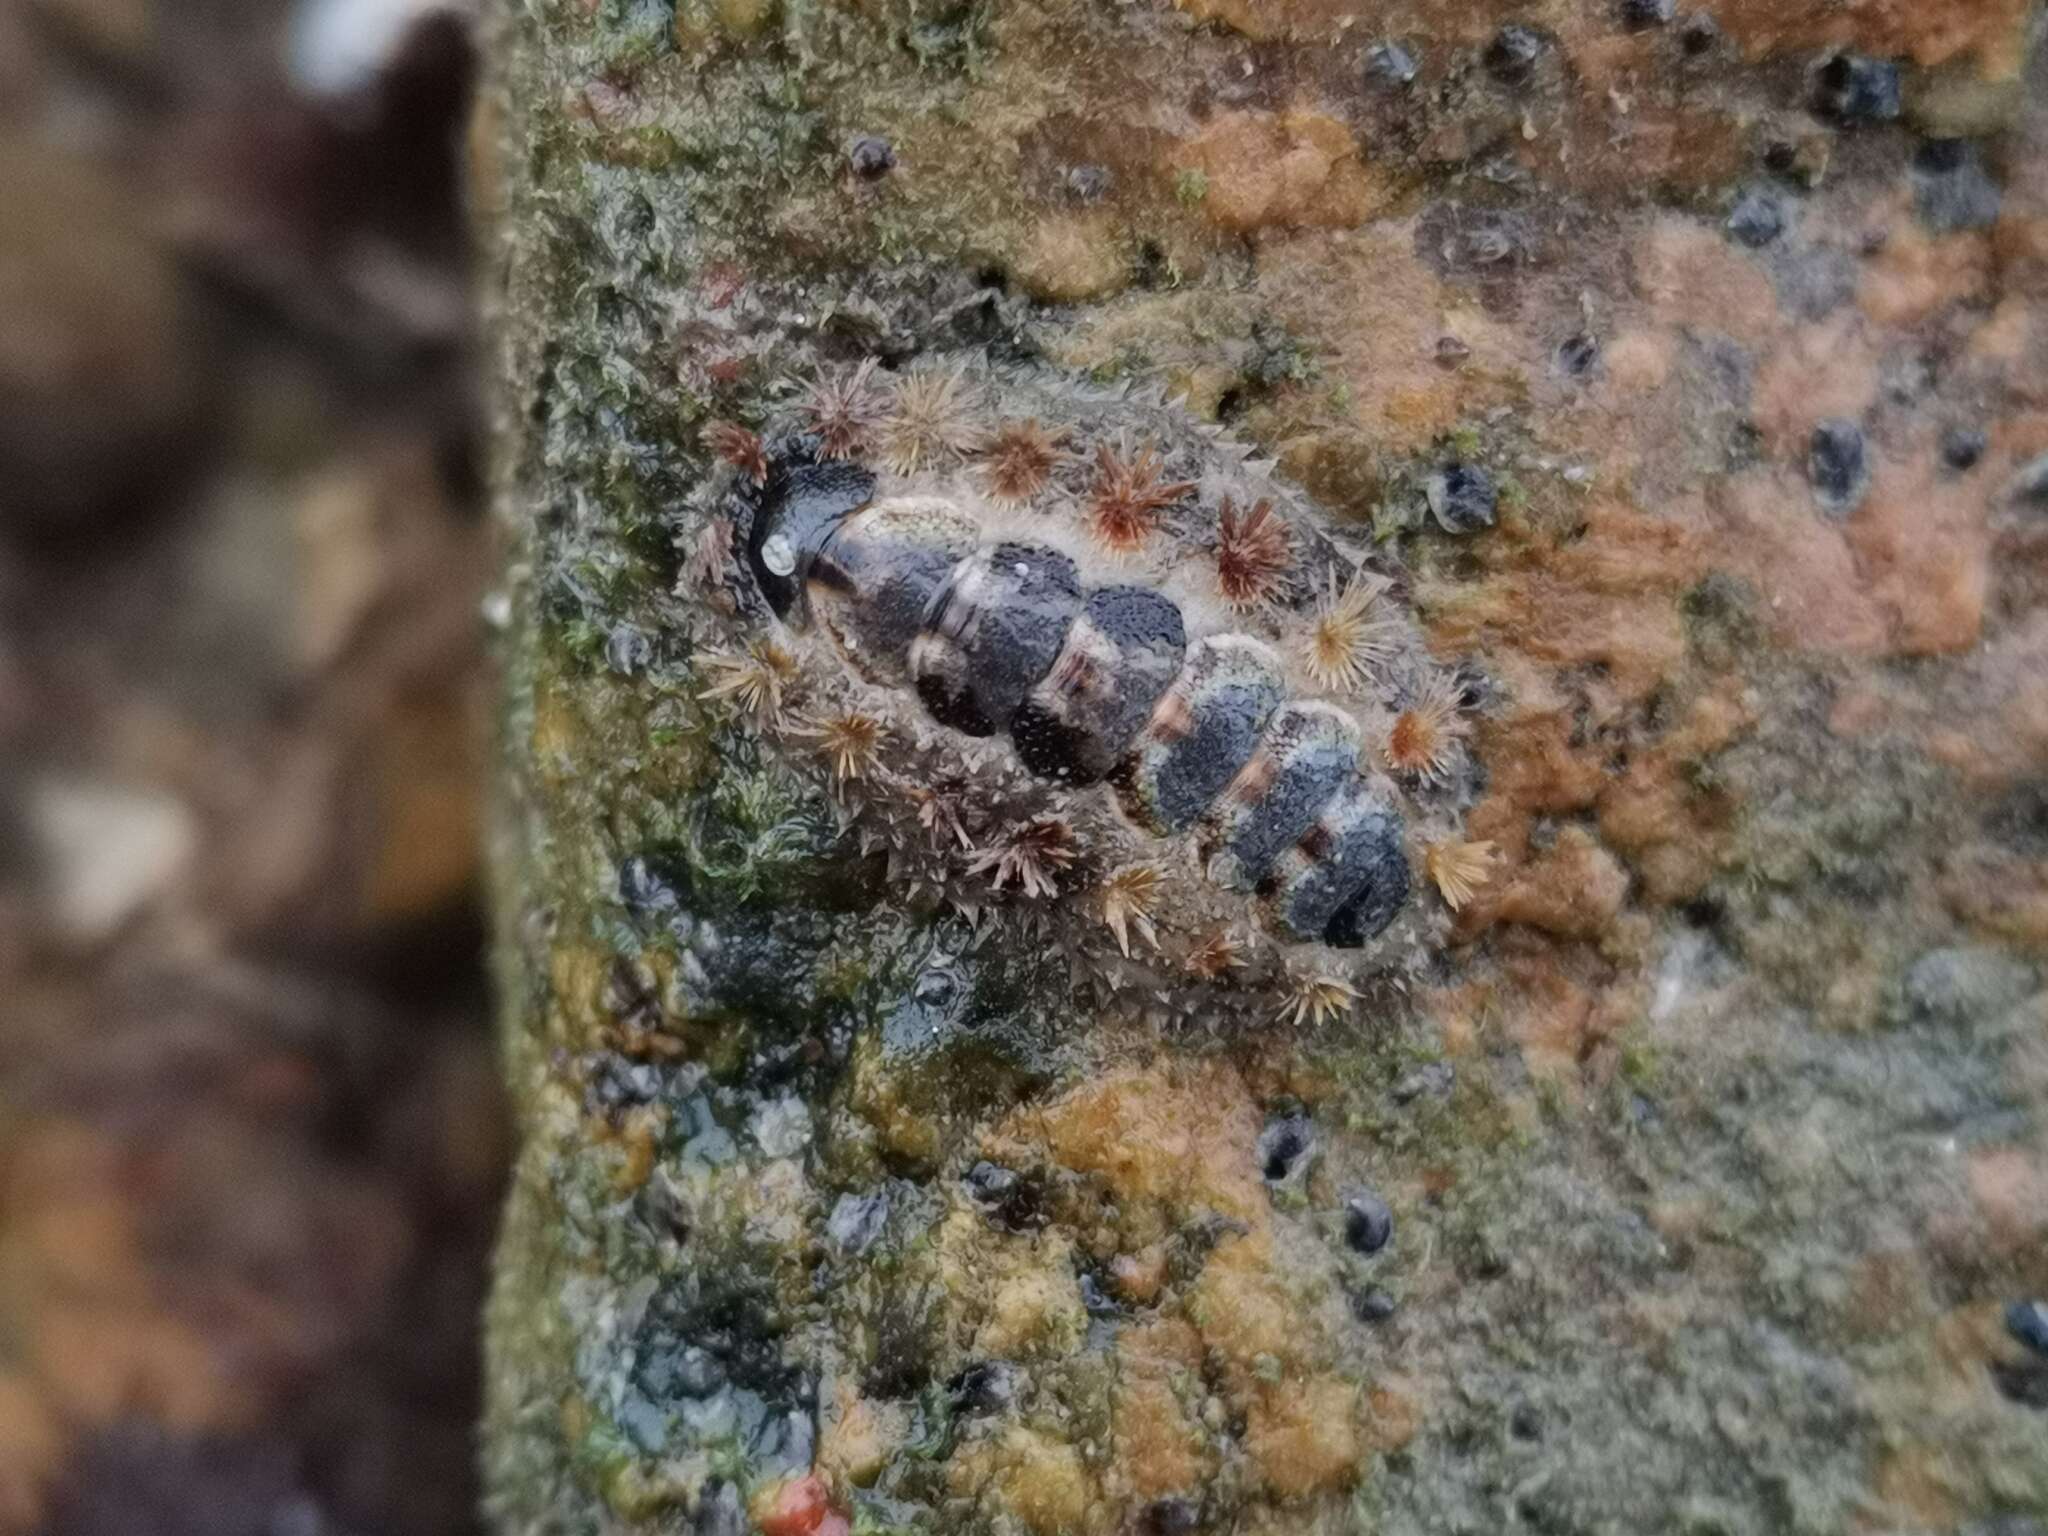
(1351,636)
(1130,899)
(1460,870)
(1217,955)
(850,741)
(753,679)
(930,424)
(1317,1000)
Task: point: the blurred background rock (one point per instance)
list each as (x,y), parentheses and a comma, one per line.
(250,1140)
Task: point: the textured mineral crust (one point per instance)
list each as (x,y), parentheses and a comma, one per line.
(900,1155)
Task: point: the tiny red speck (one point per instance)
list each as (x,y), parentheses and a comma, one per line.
(801,1509)
(723,282)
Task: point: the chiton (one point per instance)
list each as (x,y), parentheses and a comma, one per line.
(1127,598)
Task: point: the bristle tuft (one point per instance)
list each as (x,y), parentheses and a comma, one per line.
(740,448)
(1460,870)
(1130,897)
(710,553)
(842,410)
(1127,497)
(938,812)
(1019,460)
(753,679)
(1033,857)
(1350,638)
(850,741)
(930,424)
(1254,550)
(1425,739)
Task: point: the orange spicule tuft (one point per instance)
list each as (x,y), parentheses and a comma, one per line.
(930,422)
(1317,999)
(1460,870)
(1424,739)
(753,679)
(740,448)
(1034,857)
(1018,461)
(1217,955)
(842,410)
(1127,497)
(1130,897)
(850,741)
(1351,637)
(1253,553)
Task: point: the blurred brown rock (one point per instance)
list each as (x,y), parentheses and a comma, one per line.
(101,379)
(368,817)
(122,31)
(250,1139)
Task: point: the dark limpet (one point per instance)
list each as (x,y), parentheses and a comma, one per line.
(1757,219)
(1850,88)
(1368,1223)
(1462,498)
(1838,464)
(1512,55)
(870,157)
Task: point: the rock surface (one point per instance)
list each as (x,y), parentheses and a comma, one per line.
(1710,1104)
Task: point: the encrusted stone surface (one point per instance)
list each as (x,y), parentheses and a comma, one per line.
(1710,1107)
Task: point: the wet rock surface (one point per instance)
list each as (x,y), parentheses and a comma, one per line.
(1709,1115)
